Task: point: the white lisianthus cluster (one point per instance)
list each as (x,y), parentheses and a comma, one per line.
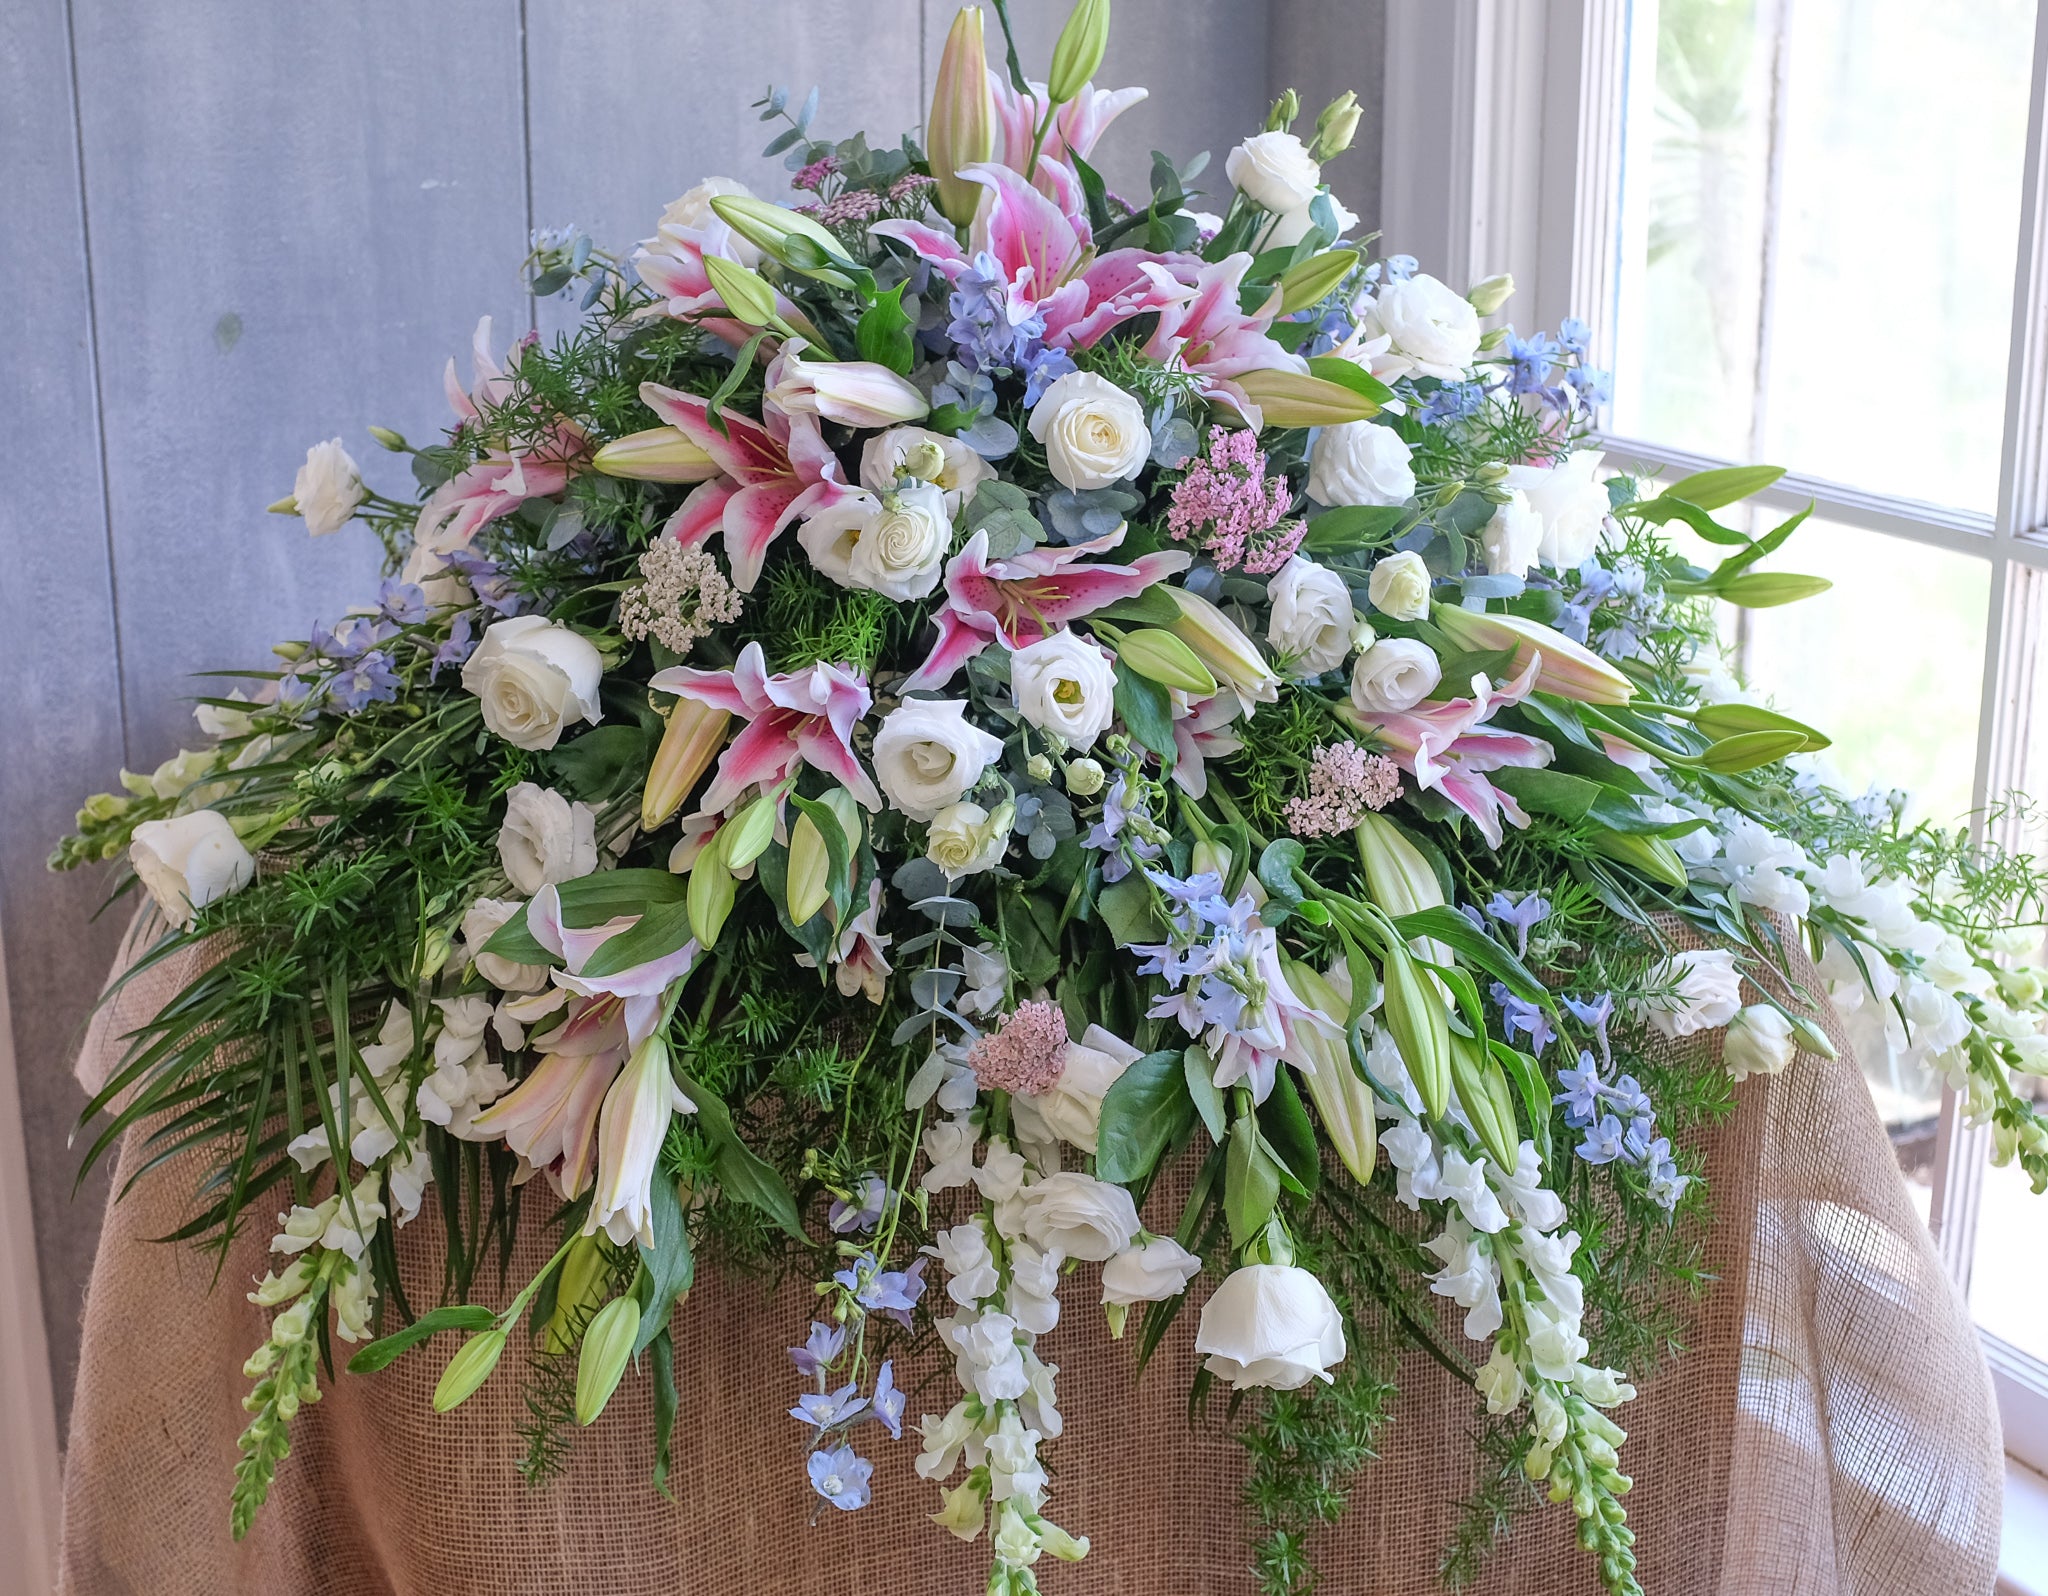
(1360,463)
(1416,327)
(545,838)
(1697,989)
(929,756)
(1570,500)
(893,543)
(1276,172)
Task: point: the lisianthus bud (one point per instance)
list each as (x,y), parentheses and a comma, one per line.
(1078,53)
(607,1346)
(468,1369)
(1336,127)
(961,130)
(660,454)
(1285,110)
(394,441)
(1160,657)
(1489,294)
(1085,777)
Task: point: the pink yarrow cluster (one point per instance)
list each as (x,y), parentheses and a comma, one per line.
(1230,508)
(1025,1054)
(1344,781)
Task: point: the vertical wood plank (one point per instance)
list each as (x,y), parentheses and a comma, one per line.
(1320,48)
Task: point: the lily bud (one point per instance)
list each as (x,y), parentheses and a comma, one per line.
(695,735)
(1748,750)
(607,1346)
(1219,643)
(747,835)
(711,891)
(1210,857)
(1161,657)
(577,1289)
(1483,1093)
(856,393)
(1490,293)
(1653,856)
(394,441)
(795,240)
(1414,1015)
(809,881)
(660,454)
(468,1369)
(1336,127)
(961,129)
(1315,278)
(746,293)
(1398,878)
(1078,54)
(1344,1103)
(1569,669)
(1295,399)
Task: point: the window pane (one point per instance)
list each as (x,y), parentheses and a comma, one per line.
(2009,1295)
(1826,233)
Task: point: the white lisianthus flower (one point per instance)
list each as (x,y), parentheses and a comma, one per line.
(1572,502)
(1065,686)
(1094,433)
(928,755)
(1079,1216)
(966,839)
(1360,462)
(328,488)
(1275,171)
(1289,230)
(901,551)
(928,456)
(1312,620)
(1759,1042)
(831,536)
(1270,1325)
(189,861)
(1431,329)
(536,679)
(1513,539)
(479,925)
(1699,989)
(692,219)
(1399,586)
(1070,1110)
(545,838)
(1394,675)
(1157,1268)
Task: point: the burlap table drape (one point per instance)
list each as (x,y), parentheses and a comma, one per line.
(1831,1430)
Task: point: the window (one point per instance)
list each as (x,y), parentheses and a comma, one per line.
(1809,232)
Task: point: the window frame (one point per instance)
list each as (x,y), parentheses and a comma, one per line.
(1504,148)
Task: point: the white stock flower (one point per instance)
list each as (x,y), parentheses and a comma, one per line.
(1399,586)
(1071,1110)
(1513,539)
(926,455)
(927,755)
(900,552)
(1572,502)
(1094,433)
(1699,989)
(1270,1325)
(1759,1042)
(328,488)
(189,861)
(988,1359)
(1079,1216)
(1360,462)
(1312,619)
(1500,1381)
(1033,1298)
(1395,674)
(1065,686)
(545,838)
(964,1253)
(1275,171)
(1157,1268)
(535,679)
(691,219)
(965,839)
(1432,330)
(1555,1345)
(1469,1277)
(479,924)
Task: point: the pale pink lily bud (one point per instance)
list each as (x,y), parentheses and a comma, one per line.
(1568,669)
(1321,1056)
(1219,643)
(962,127)
(855,393)
(634,1121)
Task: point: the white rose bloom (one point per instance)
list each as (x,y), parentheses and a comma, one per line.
(1274,171)
(691,218)
(545,838)
(927,755)
(900,553)
(1312,620)
(1432,329)
(1572,502)
(1071,1111)
(1360,462)
(1079,1216)
(1157,1268)
(479,925)
(1270,1325)
(188,862)
(831,536)
(535,679)
(1094,433)
(1759,1042)
(966,840)
(1702,991)
(1395,674)
(1065,686)
(1399,586)
(1513,538)
(328,488)
(1291,229)
(929,456)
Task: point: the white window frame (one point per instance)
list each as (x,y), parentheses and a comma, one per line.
(1503,149)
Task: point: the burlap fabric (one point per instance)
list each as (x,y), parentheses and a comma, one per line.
(1831,1430)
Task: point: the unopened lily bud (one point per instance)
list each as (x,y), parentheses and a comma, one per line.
(1486,1098)
(795,240)
(855,393)
(577,1289)
(394,441)
(1078,53)
(1232,658)
(695,736)
(711,892)
(1295,399)
(961,129)
(1084,777)
(1344,1103)
(1414,1015)
(809,883)
(1397,876)
(747,835)
(1749,750)
(1285,110)
(1315,279)
(1653,856)
(607,1346)
(746,293)
(1336,127)
(1489,294)
(1568,669)
(1211,857)
(1161,657)
(659,454)
(468,1369)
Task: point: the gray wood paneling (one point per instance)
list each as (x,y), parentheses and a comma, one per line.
(1320,48)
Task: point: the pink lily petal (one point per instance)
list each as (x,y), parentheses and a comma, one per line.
(754,518)
(823,751)
(1026,232)
(930,243)
(701,513)
(960,639)
(763,754)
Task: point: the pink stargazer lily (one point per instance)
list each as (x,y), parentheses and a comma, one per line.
(550,1118)
(1075,126)
(1202,330)
(770,473)
(632,997)
(806,717)
(1202,732)
(1028,596)
(1449,748)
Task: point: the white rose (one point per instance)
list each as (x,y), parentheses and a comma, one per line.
(1065,686)
(1291,229)
(927,455)
(1759,1042)
(1071,1110)
(1360,462)
(535,679)
(1274,171)
(1270,1325)
(479,925)
(966,840)
(927,755)
(1079,1216)
(1434,329)
(328,488)
(901,550)
(1312,620)
(1572,502)
(692,218)
(1698,990)
(1395,674)
(545,838)
(1513,538)
(831,536)
(1158,1268)
(1094,433)
(189,862)
(1399,586)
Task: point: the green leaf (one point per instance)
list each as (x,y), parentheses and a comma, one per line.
(1549,792)
(593,899)
(1288,1131)
(1535,1091)
(513,941)
(603,763)
(1126,908)
(1142,1113)
(1251,1183)
(1276,870)
(668,1266)
(1725,485)
(1203,1092)
(1769,543)
(661,931)
(384,1351)
(742,363)
(1003,511)
(1659,511)
(1352,528)
(1444,924)
(884,332)
(1147,713)
(755,1182)
(1349,374)
(662,1356)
